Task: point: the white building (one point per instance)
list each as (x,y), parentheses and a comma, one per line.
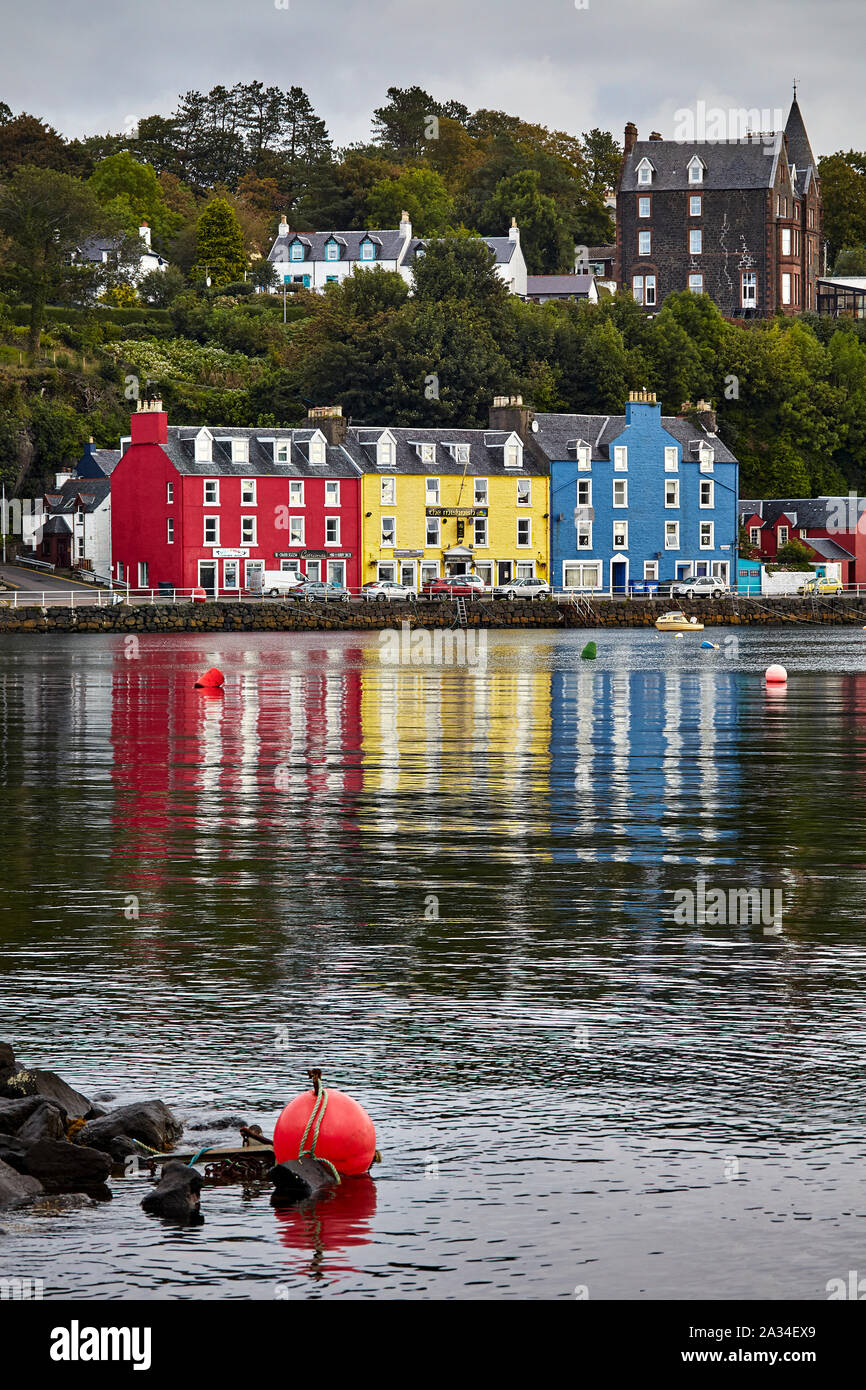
(75,526)
(317,259)
(96,250)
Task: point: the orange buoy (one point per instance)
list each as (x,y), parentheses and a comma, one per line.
(775,675)
(211,680)
(329,1125)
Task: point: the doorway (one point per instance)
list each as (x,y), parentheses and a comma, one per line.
(207,576)
(505,570)
(618,576)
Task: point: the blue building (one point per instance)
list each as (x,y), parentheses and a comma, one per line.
(638,498)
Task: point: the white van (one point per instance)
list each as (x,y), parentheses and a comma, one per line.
(273,582)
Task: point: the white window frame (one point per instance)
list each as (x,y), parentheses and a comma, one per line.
(754,535)
(384,543)
(282,451)
(583,534)
(169,493)
(644,173)
(248,530)
(584,485)
(317,450)
(644,198)
(388,492)
(711,487)
(620,488)
(215,522)
(672,483)
(214,500)
(481,493)
(240,451)
(332,492)
(649,295)
(706,457)
(749,289)
(296,492)
(385,453)
(786,287)
(672,535)
(203,448)
(296,526)
(786,241)
(782,536)
(427,453)
(526,485)
(696,170)
(708,529)
(584,458)
(143,574)
(433,533)
(169,530)
(637,289)
(432,490)
(696,241)
(696,283)
(482,534)
(248,492)
(332,522)
(650,569)
(672,461)
(695,198)
(620,528)
(513,454)
(620,458)
(644,242)
(524,523)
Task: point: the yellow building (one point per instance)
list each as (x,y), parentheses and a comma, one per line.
(453,501)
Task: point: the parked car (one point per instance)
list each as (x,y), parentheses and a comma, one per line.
(317,590)
(273,582)
(455,586)
(821,584)
(387,589)
(705,585)
(523,588)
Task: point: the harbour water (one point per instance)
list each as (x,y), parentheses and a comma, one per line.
(454,889)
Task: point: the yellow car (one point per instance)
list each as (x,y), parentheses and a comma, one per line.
(820,586)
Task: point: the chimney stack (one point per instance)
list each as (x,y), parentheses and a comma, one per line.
(509,413)
(328,419)
(149,424)
(144,233)
(405,225)
(514,230)
(630,137)
(654,135)
(283,229)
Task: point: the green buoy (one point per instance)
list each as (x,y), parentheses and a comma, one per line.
(590,652)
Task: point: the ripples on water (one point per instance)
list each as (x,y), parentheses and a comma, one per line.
(454,890)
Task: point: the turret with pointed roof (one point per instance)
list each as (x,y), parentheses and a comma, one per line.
(799,150)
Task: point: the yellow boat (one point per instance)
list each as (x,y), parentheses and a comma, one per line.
(678,622)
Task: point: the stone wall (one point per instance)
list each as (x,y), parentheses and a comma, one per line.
(232,616)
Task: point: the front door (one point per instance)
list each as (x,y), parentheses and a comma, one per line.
(505,571)
(207,576)
(618,576)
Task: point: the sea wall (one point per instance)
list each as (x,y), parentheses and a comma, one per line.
(270,616)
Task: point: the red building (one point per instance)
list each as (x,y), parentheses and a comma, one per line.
(201,507)
(833,528)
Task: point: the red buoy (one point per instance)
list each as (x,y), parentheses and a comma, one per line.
(199,596)
(340,1131)
(211,679)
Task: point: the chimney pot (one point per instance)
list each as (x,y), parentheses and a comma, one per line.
(630,137)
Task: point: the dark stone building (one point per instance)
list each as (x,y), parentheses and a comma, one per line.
(739,220)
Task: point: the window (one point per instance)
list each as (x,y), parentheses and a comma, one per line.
(584,492)
(644,243)
(318,450)
(705,457)
(695,205)
(368,251)
(387,571)
(481,492)
(282,450)
(389,530)
(620,458)
(786,241)
(332,494)
(296,530)
(696,284)
(337,572)
(783,535)
(240,451)
(620,492)
(803,533)
(524,531)
(671,458)
(707,492)
(637,288)
(120,569)
(432,535)
(644,172)
(749,291)
(143,575)
(248,530)
(696,170)
(431,492)
(481,541)
(644,206)
(248,492)
(650,291)
(331,279)
(427,453)
(584,535)
(211,530)
(672,535)
(296,251)
(385,453)
(755,535)
(581,576)
(387,491)
(672,492)
(169,493)
(296,494)
(584,458)
(332,251)
(170,531)
(524,492)
(650,569)
(513,455)
(696,241)
(786,288)
(461,453)
(203,448)
(620,535)
(706,535)
(332,530)
(211,492)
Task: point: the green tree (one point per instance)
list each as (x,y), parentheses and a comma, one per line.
(133,190)
(219,245)
(28,141)
(851,260)
(264,274)
(843,189)
(159,288)
(460,268)
(544,236)
(421,192)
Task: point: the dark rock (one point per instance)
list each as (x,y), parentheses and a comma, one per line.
(63,1167)
(217,1123)
(150,1122)
(176,1196)
(16,1187)
(62,1201)
(104,1097)
(50,1086)
(121,1148)
(14,1152)
(95,1112)
(13,1113)
(299,1178)
(48,1122)
(7,1061)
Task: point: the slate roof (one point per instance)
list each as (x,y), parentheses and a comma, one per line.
(557,432)
(805,512)
(96,463)
(501,246)
(728,164)
(847,282)
(181,450)
(389,244)
(831,550)
(601,253)
(559,284)
(484,455)
(90,493)
(799,149)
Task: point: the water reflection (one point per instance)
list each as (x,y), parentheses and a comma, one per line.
(328,1227)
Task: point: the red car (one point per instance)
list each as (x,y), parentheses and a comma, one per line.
(455,586)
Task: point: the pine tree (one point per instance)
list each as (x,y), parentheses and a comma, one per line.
(219,245)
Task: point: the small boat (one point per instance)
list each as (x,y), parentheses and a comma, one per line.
(678,622)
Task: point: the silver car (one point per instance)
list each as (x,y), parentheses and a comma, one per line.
(387,589)
(706,584)
(523,588)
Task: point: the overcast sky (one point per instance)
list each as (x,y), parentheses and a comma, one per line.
(91,67)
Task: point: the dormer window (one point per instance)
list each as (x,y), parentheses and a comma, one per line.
(385,451)
(584,457)
(240,451)
(203,446)
(513,454)
(706,454)
(645,172)
(696,170)
(296,251)
(318,448)
(368,250)
(427,453)
(282,451)
(460,452)
(332,251)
